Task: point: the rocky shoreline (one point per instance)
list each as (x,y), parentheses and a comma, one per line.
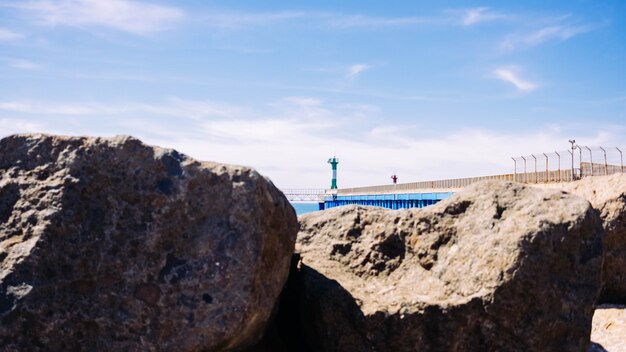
(111,244)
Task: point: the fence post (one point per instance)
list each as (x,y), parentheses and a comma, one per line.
(606,166)
(525,175)
(621,160)
(559,160)
(534,157)
(547,178)
(572,154)
(514,169)
(580,161)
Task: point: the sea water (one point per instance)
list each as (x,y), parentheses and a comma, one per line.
(303,208)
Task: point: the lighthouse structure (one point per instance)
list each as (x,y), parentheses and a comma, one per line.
(333,162)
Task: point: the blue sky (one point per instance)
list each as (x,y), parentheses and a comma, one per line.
(430,89)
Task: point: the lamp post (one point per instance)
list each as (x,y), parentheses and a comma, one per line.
(573,141)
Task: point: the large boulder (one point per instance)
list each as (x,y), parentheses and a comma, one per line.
(607,194)
(113,245)
(497,267)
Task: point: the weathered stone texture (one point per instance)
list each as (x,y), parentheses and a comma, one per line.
(607,194)
(113,245)
(497,267)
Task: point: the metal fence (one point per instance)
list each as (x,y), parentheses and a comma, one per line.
(423,185)
(563,166)
(304,195)
(568,165)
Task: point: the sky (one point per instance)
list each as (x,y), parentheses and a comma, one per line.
(422,89)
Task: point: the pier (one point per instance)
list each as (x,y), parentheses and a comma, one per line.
(424,193)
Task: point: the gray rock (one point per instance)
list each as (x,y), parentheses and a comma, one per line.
(113,245)
(607,194)
(497,267)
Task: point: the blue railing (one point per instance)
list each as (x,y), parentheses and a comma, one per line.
(390,201)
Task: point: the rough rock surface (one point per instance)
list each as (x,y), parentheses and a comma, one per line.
(497,267)
(113,245)
(609,329)
(607,194)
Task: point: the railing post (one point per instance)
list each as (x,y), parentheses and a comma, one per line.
(547,178)
(580,160)
(572,154)
(514,169)
(534,157)
(559,160)
(590,159)
(606,165)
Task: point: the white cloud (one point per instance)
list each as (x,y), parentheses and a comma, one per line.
(291,141)
(480,15)
(16,125)
(510,75)
(357,69)
(25,65)
(124,15)
(49,108)
(545,34)
(236,20)
(6,35)
(555,32)
(362,21)
(193,110)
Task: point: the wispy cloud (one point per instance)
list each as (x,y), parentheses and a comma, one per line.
(357,69)
(230,20)
(190,109)
(480,15)
(511,75)
(363,21)
(6,35)
(17,125)
(237,20)
(560,32)
(278,142)
(123,15)
(47,108)
(25,65)
(556,32)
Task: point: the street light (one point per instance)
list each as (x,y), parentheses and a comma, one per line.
(573,141)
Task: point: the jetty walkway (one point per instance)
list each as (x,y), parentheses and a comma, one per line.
(425,193)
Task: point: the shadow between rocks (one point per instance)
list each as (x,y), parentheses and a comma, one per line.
(299,318)
(596,347)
